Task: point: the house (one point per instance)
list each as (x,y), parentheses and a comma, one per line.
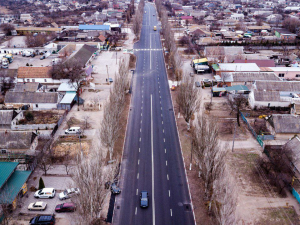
(284,34)
(235,67)
(237,16)
(25,18)
(36,100)
(8,118)
(13,184)
(28,87)
(290,73)
(40,75)
(32,30)
(94,27)
(258,29)
(83,56)
(18,142)
(245,78)
(284,126)
(294,146)
(280,94)
(223,54)
(258,62)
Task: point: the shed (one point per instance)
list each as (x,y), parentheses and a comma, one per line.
(67,102)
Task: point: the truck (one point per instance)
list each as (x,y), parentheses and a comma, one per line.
(10,57)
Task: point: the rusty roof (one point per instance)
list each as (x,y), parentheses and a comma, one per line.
(34,72)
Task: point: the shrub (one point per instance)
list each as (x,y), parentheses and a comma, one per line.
(29,116)
(41,183)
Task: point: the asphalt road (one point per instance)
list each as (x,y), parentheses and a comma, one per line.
(152,159)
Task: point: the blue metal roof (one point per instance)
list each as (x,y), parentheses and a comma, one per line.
(6,169)
(237,88)
(94,27)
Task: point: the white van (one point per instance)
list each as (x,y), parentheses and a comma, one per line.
(45,193)
(73,130)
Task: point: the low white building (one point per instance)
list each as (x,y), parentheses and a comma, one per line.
(237,17)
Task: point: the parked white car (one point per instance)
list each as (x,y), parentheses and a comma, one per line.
(38,206)
(68,193)
(45,193)
(73,130)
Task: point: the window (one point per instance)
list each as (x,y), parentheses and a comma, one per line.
(37,105)
(33,80)
(28,80)
(281,75)
(3,151)
(45,80)
(297,75)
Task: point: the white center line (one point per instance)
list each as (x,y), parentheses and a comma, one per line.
(165,150)
(169,193)
(171,211)
(138,162)
(139,149)
(166,163)
(138,175)
(162,122)
(153,202)
(140,139)
(137,191)
(167,176)
(135,210)
(140,129)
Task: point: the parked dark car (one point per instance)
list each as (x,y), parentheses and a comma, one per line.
(115,189)
(66,207)
(43,57)
(43,220)
(144,199)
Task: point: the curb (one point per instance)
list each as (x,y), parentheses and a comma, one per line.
(179,140)
(124,143)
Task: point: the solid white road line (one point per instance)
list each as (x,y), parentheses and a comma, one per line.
(152,160)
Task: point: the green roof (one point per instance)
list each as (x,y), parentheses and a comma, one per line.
(215,67)
(6,168)
(13,186)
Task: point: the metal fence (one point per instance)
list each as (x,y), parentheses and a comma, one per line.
(259,140)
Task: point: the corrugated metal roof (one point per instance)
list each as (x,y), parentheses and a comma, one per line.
(6,168)
(237,88)
(31,97)
(247,67)
(94,27)
(68,98)
(13,186)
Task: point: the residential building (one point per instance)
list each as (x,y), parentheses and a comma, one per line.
(284,34)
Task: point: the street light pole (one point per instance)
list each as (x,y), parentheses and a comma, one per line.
(107,73)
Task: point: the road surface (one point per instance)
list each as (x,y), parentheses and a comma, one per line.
(152,159)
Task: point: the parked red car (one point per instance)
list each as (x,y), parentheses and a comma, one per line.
(65,207)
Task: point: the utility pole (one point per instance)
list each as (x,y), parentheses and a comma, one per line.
(107,73)
(233,136)
(116,57)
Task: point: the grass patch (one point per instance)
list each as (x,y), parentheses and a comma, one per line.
(278,216)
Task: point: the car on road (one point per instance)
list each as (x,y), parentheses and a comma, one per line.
(43,220)
(45,193)
(115,189)
(66,207)
(38,206)
(67,193)
(144,199)
(43,57)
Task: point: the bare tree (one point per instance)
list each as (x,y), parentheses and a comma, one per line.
(210,155)
(71,70)
(7,28)
(237,103)
(85,119)
(67,161)
(187,98)
(44,162)
(90,176)
(6,207)
(224,199)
